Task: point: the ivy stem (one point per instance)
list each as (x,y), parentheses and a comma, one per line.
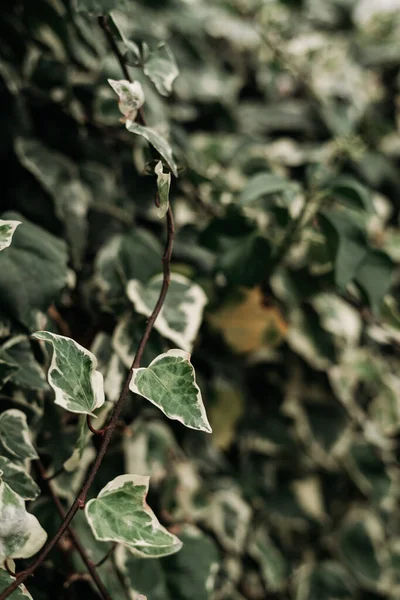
(107,555)
(79,502)
(118,55)
(7,568)
(93,429)
(91,567)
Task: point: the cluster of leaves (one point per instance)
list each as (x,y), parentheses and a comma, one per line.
(272,128)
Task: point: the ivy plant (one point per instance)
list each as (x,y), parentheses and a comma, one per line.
(199,300)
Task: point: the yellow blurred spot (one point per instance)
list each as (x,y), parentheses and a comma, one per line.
(248,325)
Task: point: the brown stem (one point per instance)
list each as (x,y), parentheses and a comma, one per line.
(74,536)
(106,556)
(93,429)
(7,568)
(79,502)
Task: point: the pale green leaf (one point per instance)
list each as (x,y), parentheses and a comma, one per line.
(374,276)
(120,514)
(14,434)
(72,374)
(181,315)
(262,184)
(229,516)
(21,534)
(7,229)
(21,593)
(169,383)
(347,241)
(18,479)
(160,67)
(33,271)
(130,97)
(156,140)
(163,185)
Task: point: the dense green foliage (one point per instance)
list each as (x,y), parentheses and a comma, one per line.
(275,128)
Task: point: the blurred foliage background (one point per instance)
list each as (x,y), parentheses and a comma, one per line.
(285,121)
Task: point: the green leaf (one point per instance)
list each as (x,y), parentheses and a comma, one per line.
(7,370)
(18,479)
(374,276)
(33,272)
(7,229)
(169,383)
(21,534)
(21,593)
(324,581)
(15,435)
(352,192)
(160,67)
(229,516)
(120,514)
(134,255)
(29,375)
(358,540)
(244,259)
(349,244)
(101,6)
(72,374)
(163,185)
(143,576)
(156,140)
(262,184)
(195,567)
(181,315)
(59,176)
(274,566)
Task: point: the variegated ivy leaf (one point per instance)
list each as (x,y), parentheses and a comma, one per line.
(18,479)
(181,315)
(228,515)
(169,383)
(163,185)
(7,229)
(21,593)
(160,67)
(72,374)
(14,434)
(21,534)
(7,370)
(120,514)
(157,141)
(130,98)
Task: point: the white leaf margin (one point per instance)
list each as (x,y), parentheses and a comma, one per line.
(185,356)
(15,513)
(96,378)
(19,415)
(5,242)
(193,311)
(116,484)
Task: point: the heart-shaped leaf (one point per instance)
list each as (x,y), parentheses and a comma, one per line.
(120,514)
(169,383)
(18,479)
(14,434)
(72,374)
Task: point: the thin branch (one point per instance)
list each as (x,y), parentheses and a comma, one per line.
(79,502)
(107,555)
(91,567)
